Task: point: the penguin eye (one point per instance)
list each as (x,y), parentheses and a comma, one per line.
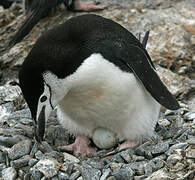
(43,98)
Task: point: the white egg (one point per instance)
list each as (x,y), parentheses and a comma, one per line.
(103,138)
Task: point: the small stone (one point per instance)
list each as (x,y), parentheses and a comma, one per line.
(173,159)
(138,158)
(32,162)
(88,172)
(158,163)
(163,122)
(137,167)
(95,164)
(49,167)
(160,148)
(105,174)
(117,158)
(115,166)
(182,70)
(144,150)
(21,173)
(149,168)
(190,153)
(20,149)
(70,158)
(35,173)
(74,175)
(9,141)
(160,174)
(80,178)
(125,173)
(9,174)
(103,138)
(39,155)
(176,146)
(127,155)
(63,176)
(18,163)
(189,116)
(111,178)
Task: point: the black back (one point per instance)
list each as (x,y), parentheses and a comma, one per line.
(63,49)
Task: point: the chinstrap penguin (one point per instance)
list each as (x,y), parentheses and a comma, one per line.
(97,74)
(38,9)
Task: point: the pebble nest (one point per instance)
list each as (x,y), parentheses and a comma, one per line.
(169,154)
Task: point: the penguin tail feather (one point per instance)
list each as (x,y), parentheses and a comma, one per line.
(27,26)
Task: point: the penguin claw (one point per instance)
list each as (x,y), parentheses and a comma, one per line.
(80,147)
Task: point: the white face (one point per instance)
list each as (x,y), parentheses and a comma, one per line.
(45,100)
(54,91)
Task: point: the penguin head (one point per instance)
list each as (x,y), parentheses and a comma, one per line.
(42,91)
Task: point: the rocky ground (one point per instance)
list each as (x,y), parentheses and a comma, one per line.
(170,154)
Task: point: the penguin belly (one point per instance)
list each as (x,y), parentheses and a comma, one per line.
(102,95)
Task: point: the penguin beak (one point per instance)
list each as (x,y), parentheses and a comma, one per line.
(40,125)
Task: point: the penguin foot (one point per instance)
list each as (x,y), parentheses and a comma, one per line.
(79,5)
(128,144)
(79,147)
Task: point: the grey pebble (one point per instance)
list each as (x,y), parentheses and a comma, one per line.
(39,155)
(158,163)
(111,178)
(176,146)
(88,172)
(144,150)
(32,162)
(125,173)
(20,149)
(105,174)
(160,148)
(137,167)
(9,174)
(35,173)
(18,163)
(74,175)
(173,159)
(189,116)
(95,164)
(9,141)
(117,158)
(49,167)
(63,176)
(127,155)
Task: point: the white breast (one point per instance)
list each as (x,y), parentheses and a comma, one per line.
(102,95)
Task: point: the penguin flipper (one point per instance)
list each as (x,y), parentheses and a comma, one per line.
(137,61)
(28,24)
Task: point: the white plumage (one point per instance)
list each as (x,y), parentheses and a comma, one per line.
(99,94)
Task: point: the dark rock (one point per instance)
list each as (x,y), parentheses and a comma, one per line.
(63,176)
(9,141)
(35,173)
(74,175)
(176,146)
(32,162)
(20,149)
(9,174)
(105,174)
(125,173)
(20,162)
(88,172)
